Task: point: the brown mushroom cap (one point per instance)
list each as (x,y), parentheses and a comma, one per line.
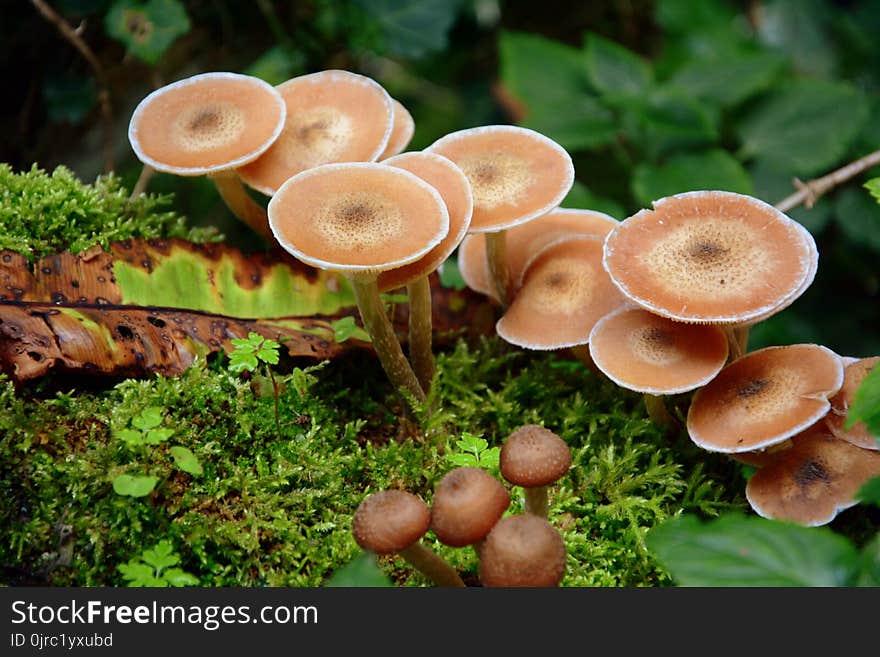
(517,174)
(534,456)
(710,256)
(524,241)
(467,504)
(853,375)
(358,218)
(206,123)
(332,116)
(522,550)
(641,351)
(760,457)
(390,521)
(455,190)
(402,131)
(565,292)
(764,398)
(814,480)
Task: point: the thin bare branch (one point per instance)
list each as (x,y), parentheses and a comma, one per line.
(809,192)
(72,35)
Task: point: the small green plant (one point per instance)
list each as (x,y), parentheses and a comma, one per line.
(249,354)
(155,567)
(345,328)
(146,429)
(474,452)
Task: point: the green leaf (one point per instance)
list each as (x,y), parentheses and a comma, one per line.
(869,493)
(412,29)
(178,577)
(805,126)
(147,29)
(614,70)
(463,459)
(715,169)
(134,485)
(148,418)
(669,120)
(561,105)
(160,556)
(471,443)
(186,460)
(728,81)
(800,30)
(450,274)
(866,405)
(363,570)
(157,436)
(870,572)
(736,550)
(490,459)
(268,352)
(345,328)
(873,186)
(773,185)
(581,198)
(130,437)
(139,574)
(242,360)
(278,64)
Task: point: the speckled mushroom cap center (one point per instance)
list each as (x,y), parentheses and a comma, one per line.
(648,353)
(206,123)
(332,116)
(516,174)
(764,398)
(710,256)
(534,456)
(390,521)
(357,218)
(853,375)
(522,550)
(564,292)
(467,503)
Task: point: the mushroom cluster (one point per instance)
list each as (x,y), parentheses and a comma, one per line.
(468,509)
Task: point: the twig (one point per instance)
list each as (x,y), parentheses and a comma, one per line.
(808,193)
(72,36)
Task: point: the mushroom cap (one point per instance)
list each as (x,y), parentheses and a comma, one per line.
(522,550)
(814,480)
(710,256)
(206,123)
(534,456)
(564,293)
(853,375)
(761,457)
(467,503)
(402,131)
(390,521)
(764,397)
(517,174)
(455,190)
(523,241)
(359,218)
(641,351)
(332,116)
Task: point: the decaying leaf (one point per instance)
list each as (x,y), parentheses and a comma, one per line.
(152,306)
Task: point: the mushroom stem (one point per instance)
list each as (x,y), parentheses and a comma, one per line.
(741,333)
(420,327)
(496,256)
(657,411)
(240,203)
(428,562)
(385,342)
(147,173)
(582,353)
(735,342)
(537,502)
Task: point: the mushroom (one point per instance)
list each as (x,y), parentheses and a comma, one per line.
(656,356)
(455,190)
(523,241)
(332,116)
(517,175)
(764,398)
(210,124)
(853,374)
(467,503)
(815,479)
(393,522)
(564,293)
(534,457)
(711,257)
(360,219)
(522,550)
(402,131)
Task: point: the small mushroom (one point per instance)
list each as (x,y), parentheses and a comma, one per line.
(764,398)
(853,375)
(467,503)
(360,219)
(812,481)
(534,457)
(522,550)
(393,522)
(517,175)
(210,124)
(402,131)
(332,116)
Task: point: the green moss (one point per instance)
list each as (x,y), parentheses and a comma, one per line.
(42,214)
(276,510)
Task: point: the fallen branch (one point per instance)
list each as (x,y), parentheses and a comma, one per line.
(808,193)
